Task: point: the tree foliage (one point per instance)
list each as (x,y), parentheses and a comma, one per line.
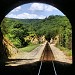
(16,29)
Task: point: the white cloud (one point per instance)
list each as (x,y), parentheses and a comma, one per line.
(49,8)
(26,16)
(16,9)
(40,6)
(36,6)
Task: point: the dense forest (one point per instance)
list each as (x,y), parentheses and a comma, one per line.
(17,29)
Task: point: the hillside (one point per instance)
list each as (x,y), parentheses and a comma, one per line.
(18,29)
(26,20)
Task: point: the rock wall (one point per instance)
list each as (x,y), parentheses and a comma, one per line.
(35,39)
(3,55)
(11,50)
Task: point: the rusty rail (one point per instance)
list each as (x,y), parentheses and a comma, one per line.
(47,55)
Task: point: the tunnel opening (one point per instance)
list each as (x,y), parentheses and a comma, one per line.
(19,31)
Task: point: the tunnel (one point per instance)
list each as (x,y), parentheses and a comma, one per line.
(67,7)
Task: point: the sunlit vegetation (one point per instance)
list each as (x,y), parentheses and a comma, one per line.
(66,51)
(17,30)
(29,47)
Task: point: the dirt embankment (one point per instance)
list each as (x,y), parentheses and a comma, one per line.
(59,55)
(11,50)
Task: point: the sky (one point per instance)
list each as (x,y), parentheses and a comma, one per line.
(33,11)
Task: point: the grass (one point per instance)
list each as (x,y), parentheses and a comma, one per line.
(29,48)
(65,50)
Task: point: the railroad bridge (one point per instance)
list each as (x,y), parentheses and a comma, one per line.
(65,6)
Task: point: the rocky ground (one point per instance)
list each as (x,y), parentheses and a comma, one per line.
(33,56)
(60,55)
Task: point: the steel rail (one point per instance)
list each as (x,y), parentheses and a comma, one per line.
(54,68)
(41,67)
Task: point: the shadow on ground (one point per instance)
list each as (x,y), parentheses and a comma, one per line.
(33,68)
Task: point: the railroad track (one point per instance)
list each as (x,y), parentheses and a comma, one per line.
(46,66)
(47,55)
